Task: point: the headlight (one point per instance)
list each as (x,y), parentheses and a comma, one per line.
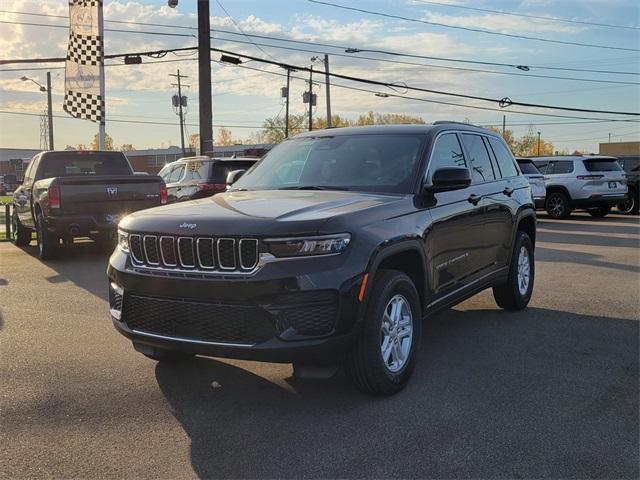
(123,241)
(307,246)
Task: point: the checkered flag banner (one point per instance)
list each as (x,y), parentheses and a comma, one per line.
(85,62)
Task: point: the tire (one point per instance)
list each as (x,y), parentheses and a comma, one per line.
(392,292)
(599,212)
(630,205)
(48,244)
(21,234)
(511,295)
(557,205)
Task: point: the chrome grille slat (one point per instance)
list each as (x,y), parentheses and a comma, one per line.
(204,249)
(207,255)
(188,247)
(150,247)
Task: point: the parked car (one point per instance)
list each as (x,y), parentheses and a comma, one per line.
(190,178)
(536,180)
(631,167)
(337,264)
(71,194)
(591,182)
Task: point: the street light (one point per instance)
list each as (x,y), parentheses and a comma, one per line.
(49,112)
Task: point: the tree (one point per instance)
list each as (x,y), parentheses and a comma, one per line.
(527,146)
(224,137)
(273,128)
(372,118)
(194,141)
(108,142)
(508,136)
(126,147)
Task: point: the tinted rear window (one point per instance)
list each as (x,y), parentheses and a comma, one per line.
(63,164)
(602,165)
(528,168)
(220,170)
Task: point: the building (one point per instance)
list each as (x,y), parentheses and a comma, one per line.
(14,160)
(620,149)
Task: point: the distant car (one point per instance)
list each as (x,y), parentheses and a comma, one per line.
(631,167)
(190,178)
(591,182)
(536,180)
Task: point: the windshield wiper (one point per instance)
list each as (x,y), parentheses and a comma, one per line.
(314,187)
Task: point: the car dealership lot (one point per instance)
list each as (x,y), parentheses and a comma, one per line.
(548,392)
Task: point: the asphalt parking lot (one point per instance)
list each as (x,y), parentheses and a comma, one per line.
(548,392)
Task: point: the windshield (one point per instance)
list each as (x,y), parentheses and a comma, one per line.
(367,163)
(528,168)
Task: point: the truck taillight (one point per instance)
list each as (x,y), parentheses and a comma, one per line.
(164,195)
(54,197)
(212,187)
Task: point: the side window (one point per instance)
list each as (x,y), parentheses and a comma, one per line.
(176,174)
(481,168)
(542,166)
(505,160)
(563,166)
(166,172)
(447,152)
(28,174)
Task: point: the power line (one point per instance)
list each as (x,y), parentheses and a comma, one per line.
(470,29)
(524,15)
(504,102)
(477,107)
(328,45)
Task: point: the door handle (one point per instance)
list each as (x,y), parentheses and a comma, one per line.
(473,198)
(508,191)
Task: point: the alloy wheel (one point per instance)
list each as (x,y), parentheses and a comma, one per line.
(524,271)
(396,333)
(556,206)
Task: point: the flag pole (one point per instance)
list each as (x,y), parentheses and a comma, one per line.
(101,128)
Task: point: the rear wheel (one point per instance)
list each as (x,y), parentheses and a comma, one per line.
(599,211)
(516,292)
(384,358)
(21,235)
(557,205)
(48,244)
(630,205)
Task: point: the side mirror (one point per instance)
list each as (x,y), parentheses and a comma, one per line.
(449,178)
(234,175)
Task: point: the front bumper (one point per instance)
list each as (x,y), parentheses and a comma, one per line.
(303,310)
(539,202)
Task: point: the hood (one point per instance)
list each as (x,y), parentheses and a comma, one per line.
(262,213)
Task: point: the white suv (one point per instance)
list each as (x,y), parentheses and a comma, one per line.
(591,182)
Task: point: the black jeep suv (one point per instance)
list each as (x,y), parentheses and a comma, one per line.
(330,251)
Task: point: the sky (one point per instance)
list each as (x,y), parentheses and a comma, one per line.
(244,97)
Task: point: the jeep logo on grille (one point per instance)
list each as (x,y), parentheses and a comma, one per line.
(112,191)
(190,226)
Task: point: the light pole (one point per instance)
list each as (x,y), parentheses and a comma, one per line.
(49,111)
(327,83)
(538,143)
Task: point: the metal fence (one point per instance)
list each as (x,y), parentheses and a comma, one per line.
(5,222)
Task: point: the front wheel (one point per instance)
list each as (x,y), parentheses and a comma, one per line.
(516,292)
(21,235)
(599,211)
(384,358)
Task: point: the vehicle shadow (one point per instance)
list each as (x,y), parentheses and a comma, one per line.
(583,216)
(537,393)
(78,264)
(591,227)
(552,255)
(595,240)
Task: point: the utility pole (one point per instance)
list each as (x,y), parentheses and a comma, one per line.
(286,111)
(328,86)
(504,125)
(311,98)
(538,143)
(181,103)
(204,78)
(49,111)
(609,137)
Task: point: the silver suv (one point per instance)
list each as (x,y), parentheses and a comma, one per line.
(536,180)
(591,182)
